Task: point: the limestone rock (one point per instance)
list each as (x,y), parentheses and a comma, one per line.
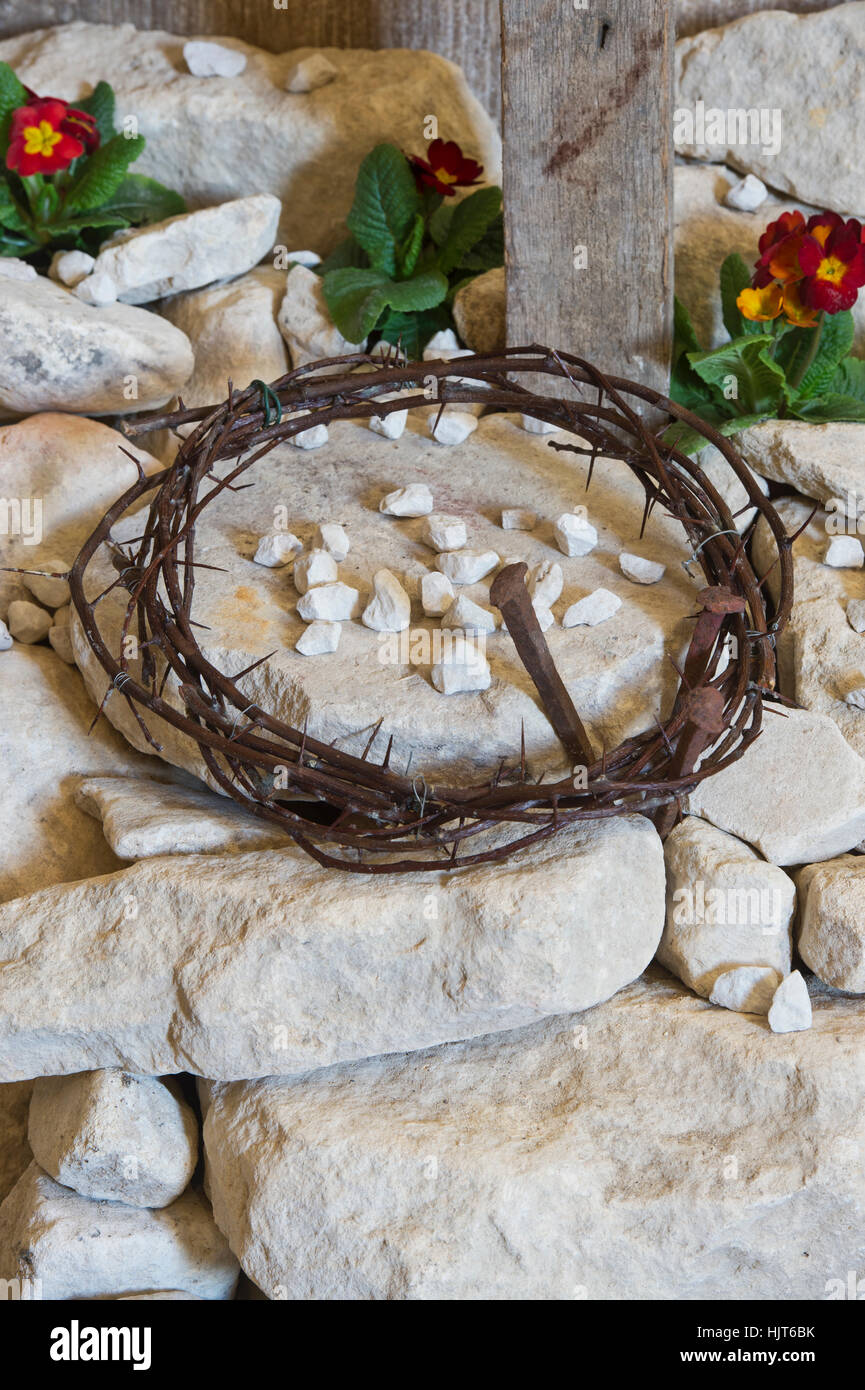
(53,593)
(28,622)
(12,268)
(313,568)
(15,1154)
(821,461)
(437,594)
(595,608)
(60,354)
(391,425)
(277,550)
(305,322)
(444,532)
(6,636)
(746,989)
(844,552)
(114,1136)
(791,1006)
(747,195)
(70,267)
(831,936)
(251,964)
(310,74)
(333,538)
(213,59)
(467,566)
(471,617)
(760,798)
(479,311)
(575,534)
(77,1248)
(389,609)
(330,603)
(413,500)
(141,818)
(45,716)
(97,289)
(726,907)
(587,1157)
(319,639)
(452,426)
(809,150)
(463,668)
(640,570)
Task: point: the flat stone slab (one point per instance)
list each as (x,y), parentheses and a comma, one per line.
(618,674)
(141,818)
(251,964)
(654,1148)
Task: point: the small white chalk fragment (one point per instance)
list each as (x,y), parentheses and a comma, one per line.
(640,570)
(28,622)
(12,268)
(436,594)
(546,583)
(277,549)
(746,195)
(389,610)
(318,639)
(747,989)
(70,267)
(441,345)
(314,568)
(444,532)
(333,538)
(5,638)
(310,73)
(97,290)
(414,500)
(856,614)
(206,59)
(466,566)
(313,438)
(469,616)
(518,519)
(333,603)
(790,1011)
(463,667)
(844,553)
(534,426)
(452,426)
(544,615)
(307,258)
(575,534)
(595,608)
(391,426)
(856,697)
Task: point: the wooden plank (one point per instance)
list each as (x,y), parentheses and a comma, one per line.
(467,31)
(587,107)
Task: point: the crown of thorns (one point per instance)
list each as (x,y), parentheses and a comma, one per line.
(356,812)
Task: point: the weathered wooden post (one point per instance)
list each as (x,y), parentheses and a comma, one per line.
(587,98)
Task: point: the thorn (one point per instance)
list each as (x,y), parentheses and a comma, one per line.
(522,750)
(386,763)
(371,740)
(791,540)
(260,662)
(141,473)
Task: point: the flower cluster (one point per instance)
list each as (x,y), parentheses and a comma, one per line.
(47,135)
(805,269)
(446,169)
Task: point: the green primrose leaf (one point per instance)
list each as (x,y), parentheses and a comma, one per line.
(471,218)
(347,253)
(413,331)
(411,248)
(735,277)
(821,410)
(849,379)
(100,105)
(760,384)
(102,173)
(385,204)
(357,298)
(140,200)
(12,95)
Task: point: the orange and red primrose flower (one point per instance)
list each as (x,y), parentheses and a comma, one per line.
(47,135)
(805,269)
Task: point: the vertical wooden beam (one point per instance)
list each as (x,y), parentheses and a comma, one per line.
(587,109)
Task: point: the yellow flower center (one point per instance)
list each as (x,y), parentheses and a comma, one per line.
(444,176)
(832,269)
(41,139)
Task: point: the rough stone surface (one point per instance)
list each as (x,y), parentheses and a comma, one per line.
(45,716)
(479,311)
(61,354)
(141,818)
(307,147)
(463,668)
(15,1153)
(747,989)
(816,100)
(831,936)
(790,1011)
(266,962)
(305,322)
(821,461)
(797,795)
(78,1248)
(28,623)
(588,1157)
(250,609)
(213,59)
(191,250)
(114,1136)
(725,907)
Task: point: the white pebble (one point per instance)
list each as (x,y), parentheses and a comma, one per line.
(453,426)
(436,594)
(333,603)
(463,668)
(444,532)
(333,538)
(746,195)
(546,584)
(535,426)
(518,519)
(307,258)
(595,608)
(391,426)
(28,622)
(791,1006)
(747,989)
(575,535)
(316,567)
(471,617)
(61,640)
(5,638)
(97,290)
(441,345)
(70,267)
(53,593)
(467,566)
(856,614)
(11,268)
(544,616)
(414,500)
(310,73)
(856,697)
(844,553)
(312,438)
(205,59)
(319,639)
(640,570)
(277,549)
(390,608)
